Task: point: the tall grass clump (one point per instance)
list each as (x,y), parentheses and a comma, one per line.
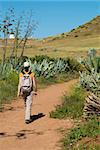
(8,88)
(8,83)
(72,105)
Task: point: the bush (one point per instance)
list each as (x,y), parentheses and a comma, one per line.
(74,65)
(72,105)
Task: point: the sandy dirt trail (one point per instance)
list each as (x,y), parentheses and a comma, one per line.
(43,133)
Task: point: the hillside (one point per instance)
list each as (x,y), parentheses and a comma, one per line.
(74,43)
(88,29)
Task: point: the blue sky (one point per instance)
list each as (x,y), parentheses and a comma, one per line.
(57,16)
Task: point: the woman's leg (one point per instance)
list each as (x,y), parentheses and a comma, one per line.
(28,106)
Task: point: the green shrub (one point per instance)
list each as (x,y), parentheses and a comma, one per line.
(74,65)
(72,105)
(40,58)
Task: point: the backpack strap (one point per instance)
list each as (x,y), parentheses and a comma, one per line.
(29,72)
(23,72)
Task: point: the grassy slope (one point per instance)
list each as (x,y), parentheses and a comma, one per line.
(67,44)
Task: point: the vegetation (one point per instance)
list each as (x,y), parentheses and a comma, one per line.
(72,105)
(90,77)
(90,80)
(89,129)
(51,67)
(8,88)
(64,77)
(83,135)
(89,147)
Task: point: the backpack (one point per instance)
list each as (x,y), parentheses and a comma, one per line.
(26,84)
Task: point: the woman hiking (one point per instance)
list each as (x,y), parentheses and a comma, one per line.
(26,88)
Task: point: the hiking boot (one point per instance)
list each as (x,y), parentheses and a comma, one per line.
(27,121)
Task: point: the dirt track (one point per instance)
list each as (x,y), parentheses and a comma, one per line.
(43,133)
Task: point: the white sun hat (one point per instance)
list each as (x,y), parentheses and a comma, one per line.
(26,64)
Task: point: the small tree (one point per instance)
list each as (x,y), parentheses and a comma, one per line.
(28,31)
(24,28)
(5,30)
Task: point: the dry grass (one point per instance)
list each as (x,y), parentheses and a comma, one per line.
(73,47)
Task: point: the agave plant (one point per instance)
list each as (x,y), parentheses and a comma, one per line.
(90,78)
(48,68)
(93,62)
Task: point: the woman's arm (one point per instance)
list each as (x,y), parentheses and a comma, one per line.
(34,84)
(19,90)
